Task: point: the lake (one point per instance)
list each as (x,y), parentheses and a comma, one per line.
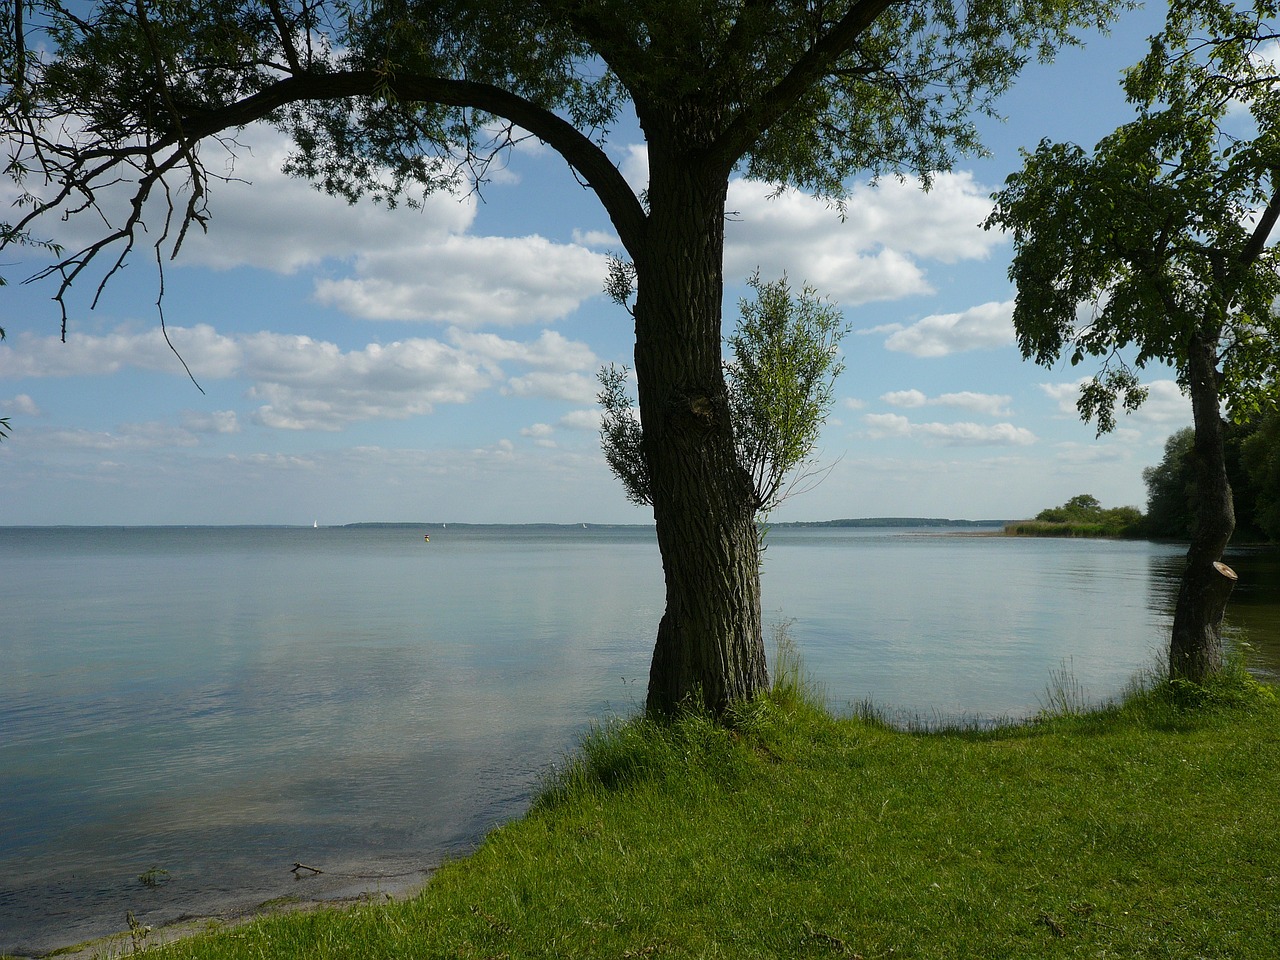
(189,712)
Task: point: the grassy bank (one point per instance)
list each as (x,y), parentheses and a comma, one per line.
(1147,830)
(1067,528)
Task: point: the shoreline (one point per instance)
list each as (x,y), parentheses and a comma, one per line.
(234,915)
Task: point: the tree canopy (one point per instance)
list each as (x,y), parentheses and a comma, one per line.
(110,110)
(1159,235)
(1153,248)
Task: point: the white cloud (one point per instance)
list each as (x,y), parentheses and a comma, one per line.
(588,419)
(385,264)
(302,383)
(872,253)
(469,281)
(215,422)
(995,405)
(597,238)
(266,219)
(884,425)
(540,433)
(992,404)
(551,351)
(1166,405)
(634,166)
(127,437)
(905,398)
(985,326)
(306,384)
(573,387)
(21,404)
(208,353)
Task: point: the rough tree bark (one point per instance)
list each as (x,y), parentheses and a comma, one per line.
(1195,647)
(709,649)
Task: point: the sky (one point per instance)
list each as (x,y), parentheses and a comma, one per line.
(437,365)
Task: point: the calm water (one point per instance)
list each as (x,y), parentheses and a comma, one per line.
(222,703)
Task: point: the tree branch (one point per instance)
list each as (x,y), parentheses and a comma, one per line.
(578,150)
(1266,223)
(816,61)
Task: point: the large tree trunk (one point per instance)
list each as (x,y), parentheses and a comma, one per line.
(1195,647)
(709,648)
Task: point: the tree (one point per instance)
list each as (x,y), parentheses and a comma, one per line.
(1260,456)
(1083,516)
(1171,489)
(780,381)
(1160,235)
(385,98)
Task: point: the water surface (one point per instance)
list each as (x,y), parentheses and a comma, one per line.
(222,703)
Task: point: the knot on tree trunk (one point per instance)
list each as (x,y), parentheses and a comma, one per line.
(697,406)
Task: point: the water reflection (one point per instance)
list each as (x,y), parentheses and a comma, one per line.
(1252,621)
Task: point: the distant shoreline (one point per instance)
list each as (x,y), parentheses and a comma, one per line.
(860,522)
(866,522)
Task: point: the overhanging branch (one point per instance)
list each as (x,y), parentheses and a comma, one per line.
(818,60)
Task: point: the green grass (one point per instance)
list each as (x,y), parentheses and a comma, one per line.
(1068,528)
(1141,830)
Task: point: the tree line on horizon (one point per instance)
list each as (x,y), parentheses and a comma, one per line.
(1252,449)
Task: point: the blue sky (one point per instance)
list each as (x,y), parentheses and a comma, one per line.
(438,365)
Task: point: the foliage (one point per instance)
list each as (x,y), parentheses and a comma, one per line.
(804,835)
(1171,489)
(1251,461)
(784,359)
(390,99)
(1081,516)
(620,435)
(1260,455)
(1155,248)
(1159,235)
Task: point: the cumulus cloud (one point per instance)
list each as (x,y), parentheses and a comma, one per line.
(874,252)
(870,253)
(573,387)
(982,327)
(1166,405)
(208,353)
(215,422)
(469,281)
(634,166)
(539,433)
(905,398)
(992,404)
(884,425)
(302,383)
(551,351)
(385,264)
(21,404)
(587,419)
(263,218)
(306,384)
